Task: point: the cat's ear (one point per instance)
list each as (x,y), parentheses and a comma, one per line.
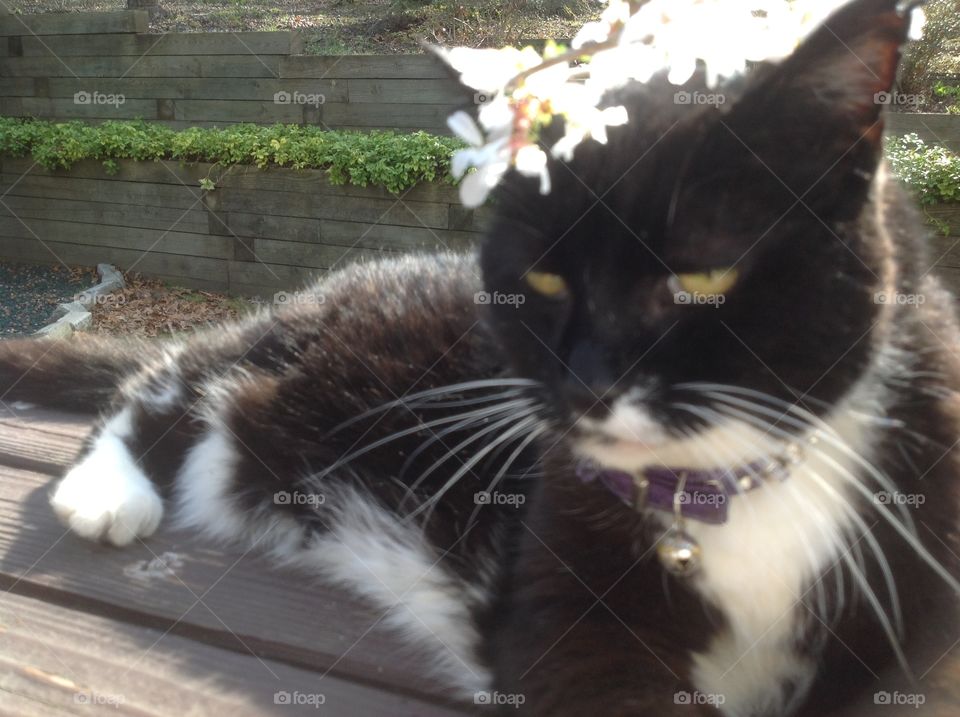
(843,73)
(815,120)
(470,98)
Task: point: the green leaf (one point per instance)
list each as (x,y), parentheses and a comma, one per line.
(388,159)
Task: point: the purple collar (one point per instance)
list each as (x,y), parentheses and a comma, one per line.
(705,495)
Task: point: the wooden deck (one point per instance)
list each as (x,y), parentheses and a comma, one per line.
(174,626)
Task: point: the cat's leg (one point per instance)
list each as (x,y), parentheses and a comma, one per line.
(110,493)
(107,495)
(579,651)
(116,490)
(587,628)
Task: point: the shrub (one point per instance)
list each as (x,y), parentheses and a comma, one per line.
(931,171)
(389,159)
(937,54)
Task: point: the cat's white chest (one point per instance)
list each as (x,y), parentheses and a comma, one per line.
(761,570)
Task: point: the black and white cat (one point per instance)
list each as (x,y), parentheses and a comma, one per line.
(715,443)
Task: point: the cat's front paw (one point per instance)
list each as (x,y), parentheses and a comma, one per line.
(108,496)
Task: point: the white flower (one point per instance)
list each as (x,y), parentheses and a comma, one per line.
(587,121)
(532,162)
(497,117)
(918,21)
(490,70)
(465,128)
(475,187)
(617,13)
(492,160)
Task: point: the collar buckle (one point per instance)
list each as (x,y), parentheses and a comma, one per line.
(643,489)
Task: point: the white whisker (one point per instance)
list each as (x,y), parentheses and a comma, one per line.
(452,452)
(412,400)
(431,503)
(518,451)
(871,597)
(476,415)
(806,421)
(438,436)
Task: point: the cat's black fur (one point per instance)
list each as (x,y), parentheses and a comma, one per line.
(783,182)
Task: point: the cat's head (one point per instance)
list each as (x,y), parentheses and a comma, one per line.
(721,237)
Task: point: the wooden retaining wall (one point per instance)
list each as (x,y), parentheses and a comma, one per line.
(932,128)
(77,65)
(945,250)
(256,233)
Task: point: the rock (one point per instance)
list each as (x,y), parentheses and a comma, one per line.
(57,330)
(70,306)
(110,280)
(71,321)
(110,275)
(79,320)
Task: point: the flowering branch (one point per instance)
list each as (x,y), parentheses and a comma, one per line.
(564,58)
(523,90)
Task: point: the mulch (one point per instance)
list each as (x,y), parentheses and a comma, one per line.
(150,308)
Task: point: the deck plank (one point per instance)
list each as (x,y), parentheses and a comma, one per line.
(246,604)
(39,439)
(56,661)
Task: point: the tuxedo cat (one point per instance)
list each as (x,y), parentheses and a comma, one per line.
(681,439)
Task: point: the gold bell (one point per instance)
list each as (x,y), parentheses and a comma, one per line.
(679,553)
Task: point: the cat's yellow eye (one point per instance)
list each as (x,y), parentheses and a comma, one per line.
(715,281)
(552,286)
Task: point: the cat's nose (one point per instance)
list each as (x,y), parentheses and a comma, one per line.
(589,379)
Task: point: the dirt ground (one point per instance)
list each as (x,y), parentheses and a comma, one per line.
(29,294)
(363,26)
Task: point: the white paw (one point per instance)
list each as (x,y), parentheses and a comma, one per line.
(108,496)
